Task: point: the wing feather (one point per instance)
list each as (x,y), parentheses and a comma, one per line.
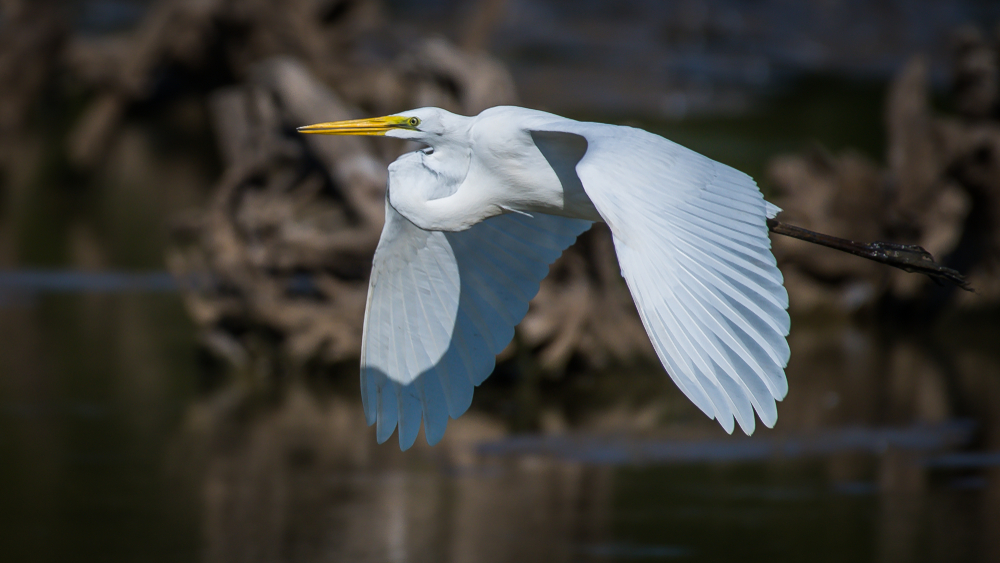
(693,245)
(441,305)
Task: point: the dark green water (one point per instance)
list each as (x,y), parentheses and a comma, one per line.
(92,392)
(112,452)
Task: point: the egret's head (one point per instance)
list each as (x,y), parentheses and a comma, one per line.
(431,126)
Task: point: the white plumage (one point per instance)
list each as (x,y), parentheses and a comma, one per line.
(473,222)
(441,306)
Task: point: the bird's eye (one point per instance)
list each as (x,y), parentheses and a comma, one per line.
(413,121)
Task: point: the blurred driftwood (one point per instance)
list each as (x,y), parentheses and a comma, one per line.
(940,190)
(206,42)
(278,257)
(32,32)
(283,251)
(291,231)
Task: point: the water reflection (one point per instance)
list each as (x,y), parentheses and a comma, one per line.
(90,390)
(886,450)
(872,460)
(304,481)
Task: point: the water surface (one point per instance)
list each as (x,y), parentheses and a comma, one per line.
(117,446)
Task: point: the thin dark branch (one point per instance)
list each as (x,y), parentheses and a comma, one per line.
(908,257)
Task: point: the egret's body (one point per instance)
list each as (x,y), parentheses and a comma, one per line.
(474,220)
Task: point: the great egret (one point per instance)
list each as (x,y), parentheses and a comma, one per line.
(473,221)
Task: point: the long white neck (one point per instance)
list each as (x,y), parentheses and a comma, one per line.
(425,187)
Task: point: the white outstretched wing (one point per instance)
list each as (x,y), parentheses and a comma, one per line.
(441,306)
(693,245)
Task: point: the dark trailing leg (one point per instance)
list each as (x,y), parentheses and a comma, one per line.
(908,257)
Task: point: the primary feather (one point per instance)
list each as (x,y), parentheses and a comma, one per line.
(692,242)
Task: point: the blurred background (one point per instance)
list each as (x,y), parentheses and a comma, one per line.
(182,284)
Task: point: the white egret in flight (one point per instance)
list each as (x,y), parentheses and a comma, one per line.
(473,221)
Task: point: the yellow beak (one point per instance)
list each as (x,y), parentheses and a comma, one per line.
(370,126)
